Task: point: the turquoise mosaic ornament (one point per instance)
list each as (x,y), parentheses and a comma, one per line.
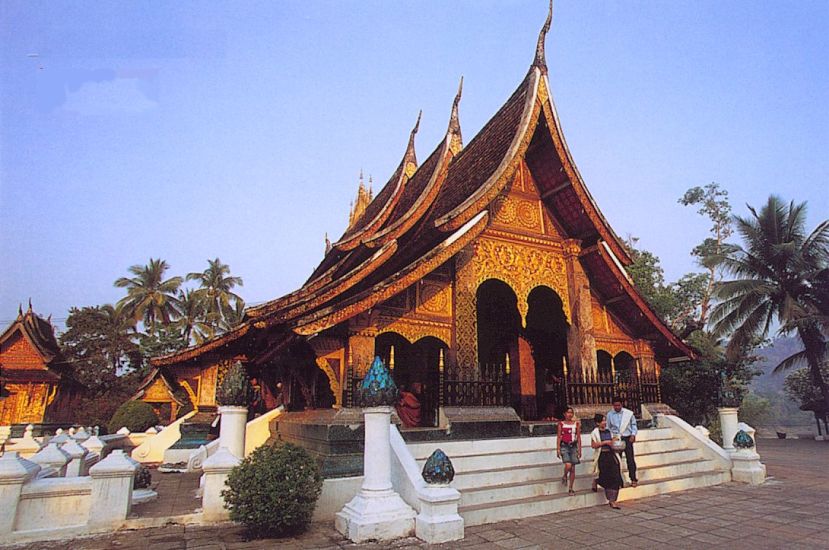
(438,469)
(378,388)
(743,441)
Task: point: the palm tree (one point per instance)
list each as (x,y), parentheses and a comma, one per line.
(193,322)
(216,292)
(149,297)
(781,275)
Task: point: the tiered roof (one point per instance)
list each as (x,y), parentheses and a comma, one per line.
(424,216)
(40,334)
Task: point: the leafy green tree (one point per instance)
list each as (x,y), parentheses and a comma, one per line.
(98,343)
(779,277)
(150,298)
(713,203)
(800,386)
(193,322)
(165,340)
(215,290)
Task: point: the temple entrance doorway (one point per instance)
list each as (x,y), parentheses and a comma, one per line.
(415,369)
(626,383)
(604,362)
(499,358)
(546,332)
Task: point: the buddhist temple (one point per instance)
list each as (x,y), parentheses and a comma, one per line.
(484,275)
(36,385)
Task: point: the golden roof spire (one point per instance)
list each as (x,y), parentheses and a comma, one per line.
(456,143)
(540,60)
(359,205)
(410,158)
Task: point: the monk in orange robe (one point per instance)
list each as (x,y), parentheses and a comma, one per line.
(408,408)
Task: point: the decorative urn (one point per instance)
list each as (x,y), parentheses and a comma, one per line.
(743,441)
(438,469)
(378,388)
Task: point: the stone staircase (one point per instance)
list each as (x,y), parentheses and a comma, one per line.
(501,479)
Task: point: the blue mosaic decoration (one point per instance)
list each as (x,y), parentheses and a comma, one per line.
(378,388)
(743,441)
(438,469)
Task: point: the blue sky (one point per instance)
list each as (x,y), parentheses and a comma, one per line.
(193,130)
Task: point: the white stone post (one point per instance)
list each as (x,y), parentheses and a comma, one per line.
(111,498)
(27,446)
(232,429)
(377,512)
(746,466)
(728,426)
(52,457)
(14,472)
(438,520)
(95,445)
(216,469)
(77,458)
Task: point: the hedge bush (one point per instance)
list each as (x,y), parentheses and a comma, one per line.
(136,416)
(273,492)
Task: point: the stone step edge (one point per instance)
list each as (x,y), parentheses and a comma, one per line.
(413,446)
(552,451)
(578,476)
(544,464)
(556,496)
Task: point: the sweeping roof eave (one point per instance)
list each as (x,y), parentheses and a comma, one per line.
(632,294)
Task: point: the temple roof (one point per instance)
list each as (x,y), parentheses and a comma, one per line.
(417,219)
(38,331)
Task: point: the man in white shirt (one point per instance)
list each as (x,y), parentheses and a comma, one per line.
(622,422)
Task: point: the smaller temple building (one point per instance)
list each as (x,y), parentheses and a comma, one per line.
(36,385)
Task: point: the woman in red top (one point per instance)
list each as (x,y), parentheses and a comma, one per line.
(568,446)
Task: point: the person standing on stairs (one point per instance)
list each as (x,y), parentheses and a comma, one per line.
(622,423)
(606,461)
(568,447)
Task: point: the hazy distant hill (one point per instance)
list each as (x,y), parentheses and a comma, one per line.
(768,382)
(783,411)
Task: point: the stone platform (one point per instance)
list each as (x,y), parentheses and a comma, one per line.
(788,511)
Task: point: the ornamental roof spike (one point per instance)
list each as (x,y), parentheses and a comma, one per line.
(454,130)
(410,158)
(540,60)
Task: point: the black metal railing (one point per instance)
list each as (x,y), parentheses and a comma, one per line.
(486,386)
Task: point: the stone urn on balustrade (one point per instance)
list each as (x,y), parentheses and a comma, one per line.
(235,392)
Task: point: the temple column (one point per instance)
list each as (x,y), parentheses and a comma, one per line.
(361,348)
(581,345)
(464,348)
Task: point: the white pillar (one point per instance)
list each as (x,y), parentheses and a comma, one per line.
(728,426)
(216,469)
(745,462)
(232,429)
(111,497)
(14,472)
(27,446)
(377,512)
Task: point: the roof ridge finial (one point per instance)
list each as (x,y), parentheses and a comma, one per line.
(327,243)
(19,310)
(30,304)
(410,157)
(540,60)
(455,122)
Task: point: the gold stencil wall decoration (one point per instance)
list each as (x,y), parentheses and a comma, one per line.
(466,321)
(413,330)
(435,297)
(333,380)
(523,268)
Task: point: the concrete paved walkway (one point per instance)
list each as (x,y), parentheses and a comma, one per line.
(790,511)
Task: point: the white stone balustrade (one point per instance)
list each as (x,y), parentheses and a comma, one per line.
(77,465)
(111,497)
(53,457)
(216,469)
(15,471)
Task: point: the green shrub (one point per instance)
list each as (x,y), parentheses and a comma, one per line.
(143,479)
(273,492)
(235,389)
(136,416)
